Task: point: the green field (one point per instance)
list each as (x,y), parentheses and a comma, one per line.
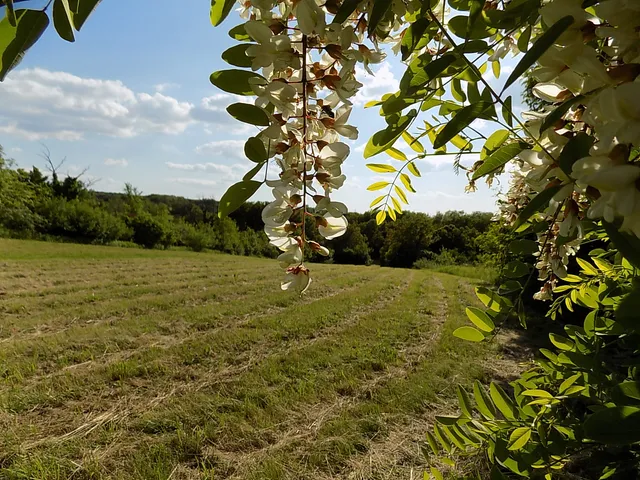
(127,363)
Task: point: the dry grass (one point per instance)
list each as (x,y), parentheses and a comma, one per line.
(119,363)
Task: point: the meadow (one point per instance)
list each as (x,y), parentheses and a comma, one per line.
(146,364)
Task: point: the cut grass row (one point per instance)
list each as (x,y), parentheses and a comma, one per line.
(240,381)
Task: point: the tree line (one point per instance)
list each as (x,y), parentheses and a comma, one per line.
(50,206)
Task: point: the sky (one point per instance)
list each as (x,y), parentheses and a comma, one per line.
(130,101)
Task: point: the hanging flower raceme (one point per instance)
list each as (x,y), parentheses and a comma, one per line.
(302,75)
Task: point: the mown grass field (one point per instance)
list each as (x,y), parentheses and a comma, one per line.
(133,364)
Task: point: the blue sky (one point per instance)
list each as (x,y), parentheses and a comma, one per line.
(131,100)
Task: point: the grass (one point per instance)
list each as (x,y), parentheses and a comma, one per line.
(132,364)
(481,273)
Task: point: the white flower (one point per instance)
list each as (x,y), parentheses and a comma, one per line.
(291,256)
(332,156)
(316,247)
(296,278)
(276,214)
(332,227)
(310,17)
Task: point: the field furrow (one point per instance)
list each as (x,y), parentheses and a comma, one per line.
(134,364)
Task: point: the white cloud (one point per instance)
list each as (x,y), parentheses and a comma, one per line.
(223,148)
(116,162)
(195,181)
(225,171)
(374,86)
(162,87)
(38,104)
(15,150)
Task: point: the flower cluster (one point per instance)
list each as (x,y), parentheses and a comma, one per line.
(592,67)
(307,66)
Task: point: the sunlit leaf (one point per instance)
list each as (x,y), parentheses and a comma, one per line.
(561,342)
(411,166)
(502,401)
(63,20)
(376,201)
(377,186)
(397,154)
(381,168)
(406,181)
(381,215)
(383,139)
(483,401)
(480,319)
(401,195)
(15,41)
(519,438)
(391,212)
(468,333)
(413,142)
(220,10)
(412,36)
(465,402)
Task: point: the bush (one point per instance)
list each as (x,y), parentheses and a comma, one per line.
(149,231)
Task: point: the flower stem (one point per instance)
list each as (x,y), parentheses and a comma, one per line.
(304,141)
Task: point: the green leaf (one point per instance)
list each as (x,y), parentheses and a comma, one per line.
(515,269)
(377,200)
(575,149)
(465,402)
(458,26)
(240,34)
(496,474)
(523,247)
(499,158)
(537,203)
(537,393)
(468,333)
(614,426)
(381,168)
(62,20)
(414,143)
(248,113)
(11,13)
(437,475)
(460,121)
(494,142)
(412,36)
(237,55)
(480,319)
(377,186)
(346,9)
(559,112)
(446,419)
(381,215)
(523,39)
(397,154)
(628,245)
(519,438)
(15,41)
(383,139)
(235,81)
(236,195)
(561,342)
(411,166)
(432,443)
(627,311)
(379,10)
(254,150)
(475,9)
(626,393)
(507,111)
(84,8)
(219,10)
(417,78)
(483,401)
(502,401)
(253,172)
(492,300)
(406,181)
(456,90)
(401,194)
(540,46)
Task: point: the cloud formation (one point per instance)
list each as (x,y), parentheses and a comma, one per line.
(116,162)
(38,104)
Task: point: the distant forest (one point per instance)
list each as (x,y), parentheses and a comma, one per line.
(46,206)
